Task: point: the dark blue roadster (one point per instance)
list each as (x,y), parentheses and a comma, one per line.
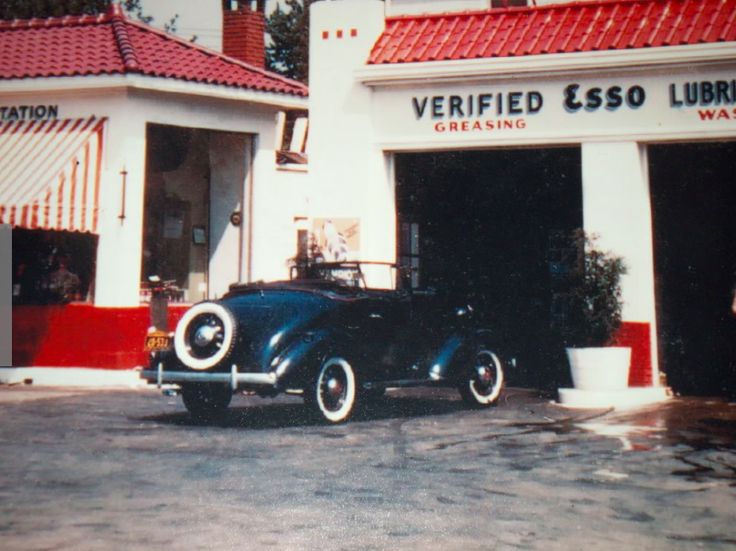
(326,336)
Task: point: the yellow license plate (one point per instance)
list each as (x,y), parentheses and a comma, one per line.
(157,341)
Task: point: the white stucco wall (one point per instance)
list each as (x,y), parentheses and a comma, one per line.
(279,197)
(128,111)
(349,172)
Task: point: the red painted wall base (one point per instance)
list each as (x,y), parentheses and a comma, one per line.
(82,335)
(637,336)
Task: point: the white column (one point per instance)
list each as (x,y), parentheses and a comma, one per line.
(6,308)
(617,207)
(350,176)
(117,281)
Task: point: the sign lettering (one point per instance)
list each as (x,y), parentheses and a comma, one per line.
(611,98)
(478,105)
(10,113)
(510,109)
(703,94)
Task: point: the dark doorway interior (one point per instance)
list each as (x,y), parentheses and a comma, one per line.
(693,190)
(482,224)
(176,207)
(53,267)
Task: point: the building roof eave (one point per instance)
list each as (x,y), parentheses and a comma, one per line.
(110,44)
(154,84)
(394,74)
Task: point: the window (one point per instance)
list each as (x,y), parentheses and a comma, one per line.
(409,259)
(508,3)
(53,267)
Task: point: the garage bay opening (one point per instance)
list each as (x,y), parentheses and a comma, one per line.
(492,226)
(693,190)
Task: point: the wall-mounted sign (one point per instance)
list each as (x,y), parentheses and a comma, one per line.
(559,108)
(713,98)
(28,112)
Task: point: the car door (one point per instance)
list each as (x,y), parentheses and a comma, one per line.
(411,328)
(429,327)
(373,321)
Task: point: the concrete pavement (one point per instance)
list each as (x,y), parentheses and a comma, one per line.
(86,469)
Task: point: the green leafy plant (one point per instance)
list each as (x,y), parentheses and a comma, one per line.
(26,9)
(594,302)
(288,49)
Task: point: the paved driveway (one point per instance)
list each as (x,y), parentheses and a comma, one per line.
(127,469)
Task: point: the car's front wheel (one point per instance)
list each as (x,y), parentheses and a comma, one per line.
(206,400)
(333,392)
(482,383)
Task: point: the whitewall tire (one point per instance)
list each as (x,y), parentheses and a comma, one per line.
(204,336)
(483,386)
(335,390)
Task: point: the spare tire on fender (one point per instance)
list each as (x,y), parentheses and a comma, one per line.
(205,335)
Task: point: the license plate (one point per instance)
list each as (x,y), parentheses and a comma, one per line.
(157,341)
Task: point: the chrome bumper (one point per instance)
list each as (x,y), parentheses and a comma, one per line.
(234,378)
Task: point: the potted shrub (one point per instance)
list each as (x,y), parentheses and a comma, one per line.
(593,316)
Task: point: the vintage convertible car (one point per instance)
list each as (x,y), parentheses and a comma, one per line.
(326,336)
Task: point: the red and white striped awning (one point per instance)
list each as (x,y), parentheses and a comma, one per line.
(50,173)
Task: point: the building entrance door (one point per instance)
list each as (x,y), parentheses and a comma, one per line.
(196,214)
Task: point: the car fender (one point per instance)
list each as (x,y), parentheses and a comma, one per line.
(458,349)
(296,364)
(446,356)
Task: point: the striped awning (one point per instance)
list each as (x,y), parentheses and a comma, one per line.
(50,173)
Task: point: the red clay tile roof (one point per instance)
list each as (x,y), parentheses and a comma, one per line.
(556,28)
(112,44)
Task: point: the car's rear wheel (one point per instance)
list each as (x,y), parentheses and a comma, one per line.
(206,400)
(333,392)
(482,383)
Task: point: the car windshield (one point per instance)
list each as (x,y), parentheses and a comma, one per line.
(356,275)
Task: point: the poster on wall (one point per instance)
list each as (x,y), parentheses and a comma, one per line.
(335,239)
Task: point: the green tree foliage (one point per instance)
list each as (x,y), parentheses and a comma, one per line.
(288,50)
(26,9)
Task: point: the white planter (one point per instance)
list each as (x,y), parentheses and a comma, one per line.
(605,368)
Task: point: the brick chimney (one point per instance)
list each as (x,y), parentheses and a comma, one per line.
(243,31)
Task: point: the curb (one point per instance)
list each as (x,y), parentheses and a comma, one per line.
(619,399)
(72,377)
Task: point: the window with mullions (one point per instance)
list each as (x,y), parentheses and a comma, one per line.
(509,3)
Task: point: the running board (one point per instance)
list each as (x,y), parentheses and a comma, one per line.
(406,383)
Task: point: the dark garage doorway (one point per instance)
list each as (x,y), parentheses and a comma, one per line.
(693,190)
(485,224)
